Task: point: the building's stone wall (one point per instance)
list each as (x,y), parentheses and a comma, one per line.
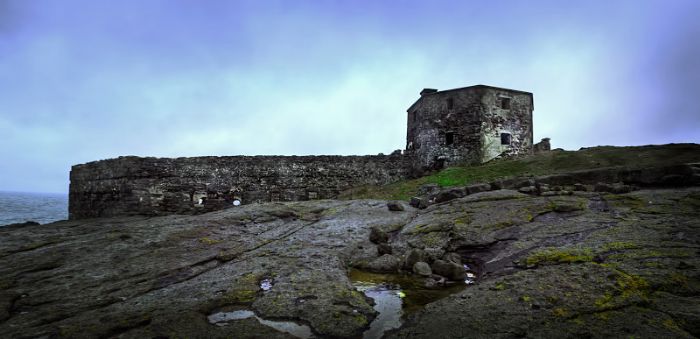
(155,186)
(465,125)
(515,120)
(430,120)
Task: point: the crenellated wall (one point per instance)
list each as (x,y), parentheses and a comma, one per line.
(157,186)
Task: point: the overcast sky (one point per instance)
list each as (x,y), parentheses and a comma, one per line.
(89,80)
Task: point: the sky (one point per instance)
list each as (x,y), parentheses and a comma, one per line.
(84,80)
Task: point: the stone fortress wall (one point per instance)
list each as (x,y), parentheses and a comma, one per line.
(471,124)
(158,186)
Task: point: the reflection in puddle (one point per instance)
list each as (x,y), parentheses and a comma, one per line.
(266,284)
(396,296)
(470,276)
(222,319)
(387,300)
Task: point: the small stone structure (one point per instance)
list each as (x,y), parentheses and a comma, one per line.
(469,125)
(472,124)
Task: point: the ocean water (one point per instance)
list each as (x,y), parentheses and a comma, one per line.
(16,207)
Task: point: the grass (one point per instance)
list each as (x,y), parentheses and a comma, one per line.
(542,164)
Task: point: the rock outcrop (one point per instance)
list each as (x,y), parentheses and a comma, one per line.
(588,264)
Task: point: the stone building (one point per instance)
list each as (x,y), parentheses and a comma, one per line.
(472,124)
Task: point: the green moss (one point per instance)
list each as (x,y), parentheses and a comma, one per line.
(604,302)
(671,325)
(360,320)
(541,164)
(619,245)
(628,288)
(625,200)
(567,205)
(642,253)
(434,239)
(559,256)
(500,286)
(244,289)
(560,312)
(429,228)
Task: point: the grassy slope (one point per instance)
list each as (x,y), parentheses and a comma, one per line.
(549,163)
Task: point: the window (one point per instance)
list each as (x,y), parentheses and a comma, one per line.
(415,116)
(450,103)
(505,103)
(505,138)
(449,138)
(312,195)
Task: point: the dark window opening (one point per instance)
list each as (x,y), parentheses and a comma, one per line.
(450,103)
(449,138)
(505,103)
(505,138)
(415,116)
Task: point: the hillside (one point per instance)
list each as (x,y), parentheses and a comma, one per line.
(553,162)
(492,264)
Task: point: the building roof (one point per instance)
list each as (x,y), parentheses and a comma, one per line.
(470,88)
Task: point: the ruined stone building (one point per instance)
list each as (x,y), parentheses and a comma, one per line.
(469,125)
(472,124)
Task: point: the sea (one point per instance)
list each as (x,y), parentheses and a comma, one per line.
(17,207)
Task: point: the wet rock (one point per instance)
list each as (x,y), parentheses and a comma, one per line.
(428,189)
(476,188)
(620,188)
(422,268)
(602,187)
(415,255)
(616,188)
(385,263)
(556,193)
(431,254)
(394,206)
(448,269)
(378,236)
(419,202)
(384,248)
(531,190)
(453,257)
(449,194)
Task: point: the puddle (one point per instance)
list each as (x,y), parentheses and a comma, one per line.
(266,284)
(397,296)
(222,319)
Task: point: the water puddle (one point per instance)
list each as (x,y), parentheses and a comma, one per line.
(397,296)
(266,284)
(222,319)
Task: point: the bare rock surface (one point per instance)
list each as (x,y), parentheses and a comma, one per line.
(590,264)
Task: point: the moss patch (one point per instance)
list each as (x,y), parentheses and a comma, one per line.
(541,164)
(558,256)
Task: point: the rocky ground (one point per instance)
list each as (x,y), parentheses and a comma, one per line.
(588,264)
